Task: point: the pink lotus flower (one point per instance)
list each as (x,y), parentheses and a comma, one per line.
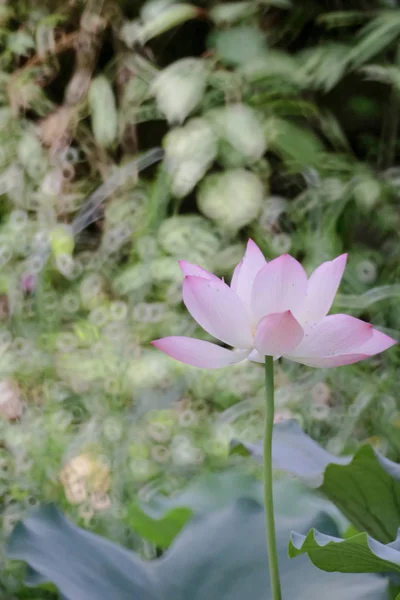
(271,309)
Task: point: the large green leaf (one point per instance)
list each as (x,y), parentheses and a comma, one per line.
(367,491)
(365,488)
(356,554)
(218,556)
(82,565)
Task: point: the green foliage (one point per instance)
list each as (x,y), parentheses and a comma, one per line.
(227,542)
(120,123)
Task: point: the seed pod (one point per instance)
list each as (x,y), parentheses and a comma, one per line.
(103,111)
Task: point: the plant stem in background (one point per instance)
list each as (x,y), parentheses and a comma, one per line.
(268,485)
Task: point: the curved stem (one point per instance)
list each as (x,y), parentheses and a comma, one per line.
(268,489)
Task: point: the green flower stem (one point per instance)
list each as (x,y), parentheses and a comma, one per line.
(268,488)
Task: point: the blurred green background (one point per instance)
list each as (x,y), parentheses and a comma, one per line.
(134,134)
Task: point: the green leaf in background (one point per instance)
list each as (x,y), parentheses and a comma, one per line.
(389,74)
(298,146)
(348,18)
(180,87)
(333,131)
(324,66)
(231,12)
(189,152)
(365,488)
(232,199)
(238,45)
(160,531)
(191,236)
(20,42)
(241,128)
(357,554)
(219,556)
(164,20)
(275,63)
(284,4)
(103,111)
(151,9)
(376,36)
